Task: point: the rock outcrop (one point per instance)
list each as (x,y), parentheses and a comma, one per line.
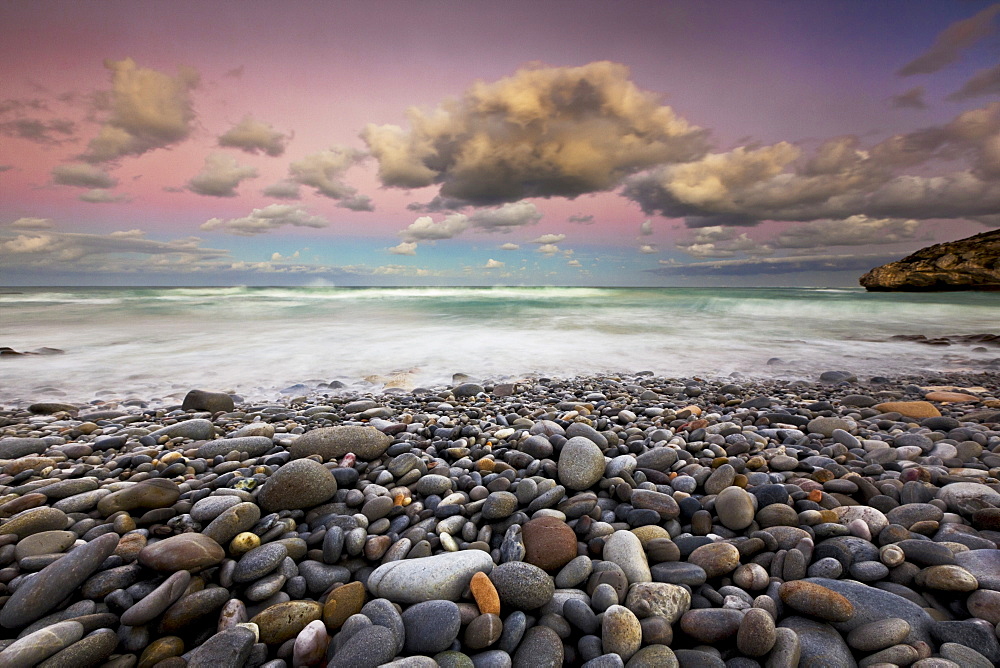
(972,263)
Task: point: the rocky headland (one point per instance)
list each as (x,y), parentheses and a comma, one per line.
(611,521)
(972,263)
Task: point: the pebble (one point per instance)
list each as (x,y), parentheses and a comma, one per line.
(621,633)
(522,585)
(186,551)
(302,483)
(40,645)
(443,576)
(625,549)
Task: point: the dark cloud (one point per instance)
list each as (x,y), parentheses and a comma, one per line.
(265,220)
(776,265)
(840,179)
(952,41)
(101,196)
(357,203)
(82,176)
(146,110)
(581,219)
(985,82)
(235,73)
(325,172)
(253,136)
(911,99)
(220,176)
(852,231)
(543,132)
(39,131)
(438,205)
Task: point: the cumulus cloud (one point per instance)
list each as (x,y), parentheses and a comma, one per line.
(30,223)
(985,82)
(357,203)
(146,109)
(911,99)
(278,257)
(493,264)
(542,132)
(648,249)
(574,263)
(510,247)
(646,229)
(253,136)
(548,239)
(852,231)
(54,131)
(404,248)
(82,175)
(548,249)
(282,190)
(581,219)
(325,170)
(264,220)
(952,41)
(102,196)
(504,218)
(839,179)
(720,242)
(220,176)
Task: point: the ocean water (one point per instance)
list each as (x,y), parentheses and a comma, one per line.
(159,342)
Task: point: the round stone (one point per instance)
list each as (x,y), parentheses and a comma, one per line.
(522,585)
(233,521)
(499,505)
(147,494)
(711,625)
(581,463)
(625,549)
(716,558)
(301,483)
(541,648)
(186,551)
(483,631)
(947,577)
(735,508)
(549,543)
(365,443)
(756,635)
(259,561)
(284,621)
(343,602)
(431,626)
(879,634)
(621,632)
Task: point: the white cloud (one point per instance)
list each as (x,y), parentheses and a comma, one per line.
(542,132)
(510,247)
(283,190)
(574,263)
(63,250)
(278,257)
(502,218)
(425,229)
(325,171)
(493,264)
(220,176)
(31,224)
(404,248)
(648,249)
(548,239)
(646,229)
(83,176)
(102,196)
(264,220)
(146,110)
(253,136)
(548,249)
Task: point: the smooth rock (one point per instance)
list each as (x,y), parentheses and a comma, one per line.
(443,576)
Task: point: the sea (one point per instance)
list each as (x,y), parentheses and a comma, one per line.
(269,342)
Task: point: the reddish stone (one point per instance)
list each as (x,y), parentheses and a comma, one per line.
(549,543)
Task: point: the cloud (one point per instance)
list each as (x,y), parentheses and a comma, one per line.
(324,171)
(102,196)
(839,179)
(952,41)
(775,265)
(6,168)
(574,263)
(253,136)
(278,257)
(648,249)
(548,249)
(235,73)
(510,247)
(282,190)
(985,82)
(542,132)
(146,110)
(83,176)
(911,99)
(31,224)
(493,264)
(853,231)
(264,220)
(504,218)
(721,242)
(404,248)
(646,229)
(220,176)
(357,203)
(581,219)
(39,131)
(83,251)
(548,239)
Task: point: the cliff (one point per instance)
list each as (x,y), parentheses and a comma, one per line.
(972,263)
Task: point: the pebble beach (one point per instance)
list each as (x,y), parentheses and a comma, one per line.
(631,520)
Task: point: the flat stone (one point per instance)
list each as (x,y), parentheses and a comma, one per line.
(878,635)
(301,483)
(330,443)
(369,647)
(985,604)
(193,607)
(984,566)
(154,603)
(92,650)
(38,595)
(820,644)
(259,561)
(485,594)
(186,551)
(968,497)
(442,576)
(13,447)
(969,633)
(254,446)
(213,402)
(283,621)
(147,494)
(229,647)
(198,429)
(816,600)
(343,602)
(483,631)
(910,409)
(756,635)
(872,604)
(233,521)
(40,645)
(34,520)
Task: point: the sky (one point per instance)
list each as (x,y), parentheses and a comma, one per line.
(447,142)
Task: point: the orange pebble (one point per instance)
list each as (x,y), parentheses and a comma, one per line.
(485,594)
(816,495)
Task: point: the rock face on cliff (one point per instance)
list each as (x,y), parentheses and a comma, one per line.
(972,263)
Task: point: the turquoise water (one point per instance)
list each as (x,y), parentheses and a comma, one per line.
(157,342)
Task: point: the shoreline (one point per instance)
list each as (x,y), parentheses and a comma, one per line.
(561,520)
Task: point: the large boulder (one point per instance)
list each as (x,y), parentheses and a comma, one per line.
(366,443)
(972,263)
